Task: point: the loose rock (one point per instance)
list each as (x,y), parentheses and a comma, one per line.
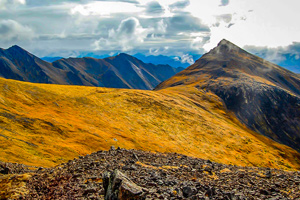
(118,186)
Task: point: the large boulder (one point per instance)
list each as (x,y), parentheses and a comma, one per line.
(118,186)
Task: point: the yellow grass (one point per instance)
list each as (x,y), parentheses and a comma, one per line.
(12,186)
(44,125)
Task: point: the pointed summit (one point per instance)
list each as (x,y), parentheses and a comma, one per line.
(262,95)
(225,42)
(225,46)
(16,48)
(124,54)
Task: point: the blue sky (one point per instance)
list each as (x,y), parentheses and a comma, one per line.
(168,27)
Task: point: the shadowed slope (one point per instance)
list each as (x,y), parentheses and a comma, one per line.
(43,124)
(18,64)
(122,71)
(263,95)
(139,74)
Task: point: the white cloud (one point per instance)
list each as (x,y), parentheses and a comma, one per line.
(260,23)
(179,5)
(274,56)
(185,26)
(11,30)
(101,8)
(278,54)
(154,8)
(154,51)
(5,4)
(128,35)
(224,2)
(197,43)
(185,58)
(224,18)
(20,1)
(161,27)
(158,51)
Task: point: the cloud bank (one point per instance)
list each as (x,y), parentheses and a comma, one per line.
(12,31)
(169,27)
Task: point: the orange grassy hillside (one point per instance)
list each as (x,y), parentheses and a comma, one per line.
(44,125)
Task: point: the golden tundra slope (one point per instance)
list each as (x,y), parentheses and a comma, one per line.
(44,125)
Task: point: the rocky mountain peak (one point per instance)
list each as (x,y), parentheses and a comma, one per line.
(123,54)
(16,48)
(225,46)
(121,57)
(225,42)
(262,95)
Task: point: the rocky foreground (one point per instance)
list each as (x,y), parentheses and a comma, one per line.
(145,175)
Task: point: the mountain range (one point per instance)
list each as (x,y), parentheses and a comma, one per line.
(174,61)
(290,61)
(230,107)
(263,96)
(121,71)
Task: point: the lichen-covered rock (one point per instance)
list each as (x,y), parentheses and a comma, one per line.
(117,186)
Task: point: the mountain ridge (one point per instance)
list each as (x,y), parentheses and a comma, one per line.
(18,64)
(263,96)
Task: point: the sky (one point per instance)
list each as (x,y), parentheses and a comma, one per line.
(178,28)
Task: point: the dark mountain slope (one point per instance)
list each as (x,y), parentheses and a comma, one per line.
(90,71)
(122,71)
(264,96)
(141,75)
(16,63)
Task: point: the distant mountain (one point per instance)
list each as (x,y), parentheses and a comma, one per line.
(95,55)
(263,96)
(121,71)
(18,64)
(156,60)
(169,60)
(51,59)
(289,61)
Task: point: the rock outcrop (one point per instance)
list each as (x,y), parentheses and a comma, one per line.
(118,186)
